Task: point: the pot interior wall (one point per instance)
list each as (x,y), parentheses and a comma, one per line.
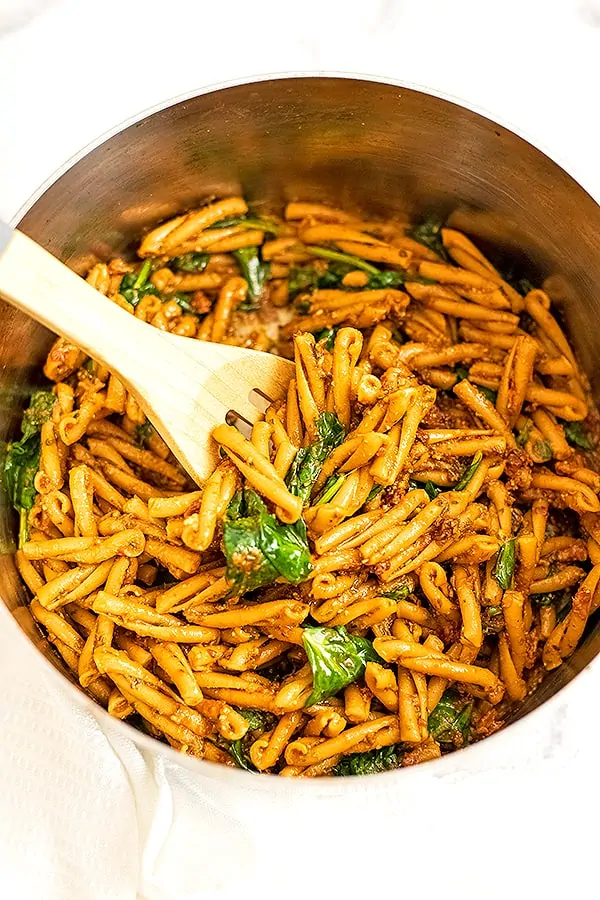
(373,147)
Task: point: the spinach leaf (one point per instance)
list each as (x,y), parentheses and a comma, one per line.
(259,548)
(142,433)
(431,489)
(183,301)
(576,436)
(20,468)
(254,271)
(543,450)
(487,392)
(449,722)
(327,335)
(332,486)
(374,492)
(370,762)
(302,279)
(258,722)
(133,287)
(40,407)
(333,276)
(308,461)
(560,600)
(429,233)
(308,279)
(461,373)
(400,592)
(354,261)
(22,459)
(467,475)
(523,433)
(492,619)
(265,225)
(388,279)
(505,564)
(336,659)
(190,262)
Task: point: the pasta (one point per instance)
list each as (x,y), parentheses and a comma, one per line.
(392,558)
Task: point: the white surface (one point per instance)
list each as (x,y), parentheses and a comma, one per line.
(78,822)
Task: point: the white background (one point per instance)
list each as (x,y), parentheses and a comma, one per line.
(522,821)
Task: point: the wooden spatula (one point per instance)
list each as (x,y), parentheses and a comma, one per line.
(184,386)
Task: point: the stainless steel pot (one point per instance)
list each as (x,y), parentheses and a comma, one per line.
(377,146)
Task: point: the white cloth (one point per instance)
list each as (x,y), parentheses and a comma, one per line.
(86,816)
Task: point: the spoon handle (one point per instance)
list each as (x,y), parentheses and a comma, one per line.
(40,285)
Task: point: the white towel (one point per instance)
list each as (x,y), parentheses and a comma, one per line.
(87,816)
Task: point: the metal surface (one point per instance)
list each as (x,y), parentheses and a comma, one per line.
(376,147)
(5,235)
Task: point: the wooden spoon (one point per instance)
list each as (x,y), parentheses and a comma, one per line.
(184,386)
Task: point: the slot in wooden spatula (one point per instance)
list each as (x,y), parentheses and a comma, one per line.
(184,386)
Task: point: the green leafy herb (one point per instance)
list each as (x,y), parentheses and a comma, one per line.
(327,335)
(334,275)
(461,373)
(523,433)
(190,262)
(143,433)
(183,301)
(374,492)
(387,279)
(40,407)
(332,486)
(133,287)
(370,762)
(560,600)
(23,458)
(254,271)
(258,723)
(429,233)
(142,276)
(336,659)
(576,436)
(308,279)
(259,548)
(302,279)
(450,720)
(260,224)
(400,592)
(431,489)
(505,564)
(354,261)
(492,619)
(308,461)
(488,393)
(542,450)
(467,475)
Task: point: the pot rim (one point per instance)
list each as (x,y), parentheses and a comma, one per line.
(458,763)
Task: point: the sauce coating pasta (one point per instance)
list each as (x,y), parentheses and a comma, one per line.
(392,558)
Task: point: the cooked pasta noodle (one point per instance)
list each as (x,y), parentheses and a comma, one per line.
(410,538)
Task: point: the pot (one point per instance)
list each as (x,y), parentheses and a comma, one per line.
(381,147)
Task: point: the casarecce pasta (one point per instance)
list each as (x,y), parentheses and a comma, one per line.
(393,556)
